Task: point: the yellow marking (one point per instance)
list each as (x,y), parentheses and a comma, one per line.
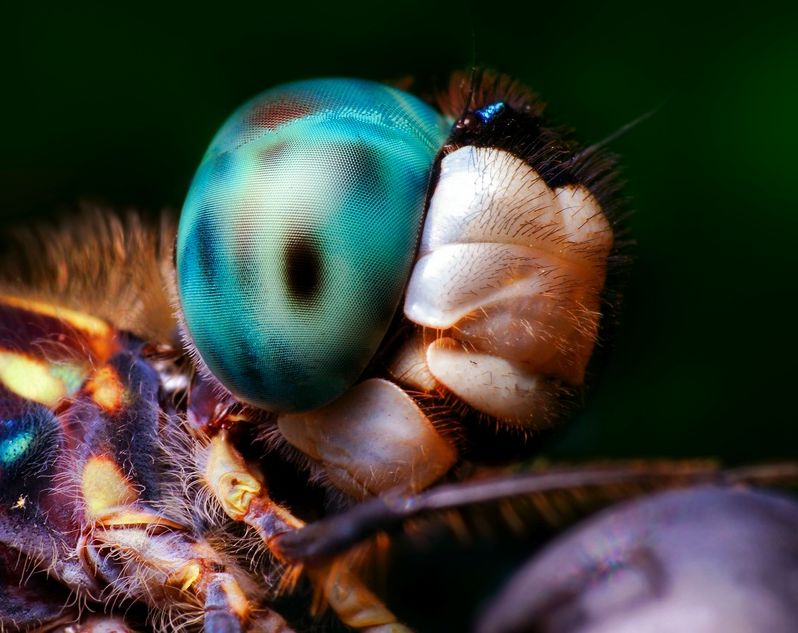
(106,389)
(20,503)
(125,517)
(104,487)
(186,576)
(31,378)
(85,323)
(233,482)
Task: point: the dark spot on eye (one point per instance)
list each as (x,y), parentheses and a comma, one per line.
(262,369)
(304,267)
(367,165)
(245,267)
(200,248)
(273,153)
(244,364)
(246,273)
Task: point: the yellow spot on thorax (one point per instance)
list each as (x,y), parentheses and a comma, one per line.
(104,487)
(106,389)
(33,379)
(20,503)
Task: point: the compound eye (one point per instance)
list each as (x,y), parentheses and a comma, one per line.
(298,235)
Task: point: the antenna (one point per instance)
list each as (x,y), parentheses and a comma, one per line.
(592,149)
(475,74)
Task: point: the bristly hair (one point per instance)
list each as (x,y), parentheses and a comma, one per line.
(549,149)
(494,111)
(470,90)
(98,262)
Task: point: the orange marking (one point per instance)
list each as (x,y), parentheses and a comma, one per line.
(87,324)
(105,487)
(235,598)
(106,389)
(100,333)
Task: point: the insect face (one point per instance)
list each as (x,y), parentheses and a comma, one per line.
(302,234)
(372,284)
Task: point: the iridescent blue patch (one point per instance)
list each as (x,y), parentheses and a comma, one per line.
(15,441)
(27,441)
(489,112)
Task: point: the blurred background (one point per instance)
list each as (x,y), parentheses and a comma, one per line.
(117,106)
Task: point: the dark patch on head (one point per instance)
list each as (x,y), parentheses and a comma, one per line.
(257,383)
(304,268)
(247,376)
(245,271)
(287,365)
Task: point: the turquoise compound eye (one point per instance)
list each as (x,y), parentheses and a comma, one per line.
(298,235)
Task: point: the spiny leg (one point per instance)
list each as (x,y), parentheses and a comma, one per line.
(146,556)
(327,538)
(241,492)
(132,539)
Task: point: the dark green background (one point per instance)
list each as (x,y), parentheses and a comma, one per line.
(118,105)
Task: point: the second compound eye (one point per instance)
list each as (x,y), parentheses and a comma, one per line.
(298,234)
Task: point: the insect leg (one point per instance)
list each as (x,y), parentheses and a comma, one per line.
(146,556)
(240,490)
(140,543)
(327,538)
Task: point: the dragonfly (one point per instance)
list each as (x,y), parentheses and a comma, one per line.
(370,300)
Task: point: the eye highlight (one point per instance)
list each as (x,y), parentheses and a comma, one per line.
(298,235)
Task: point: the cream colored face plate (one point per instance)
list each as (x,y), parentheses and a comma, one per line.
(488,195)
(511,269)
(372,439)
